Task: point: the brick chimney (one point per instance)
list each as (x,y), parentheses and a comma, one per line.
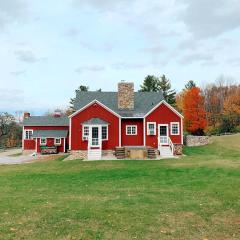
(57,113)
(126,95)
(26,115)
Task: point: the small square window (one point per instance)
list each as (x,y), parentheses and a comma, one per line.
(57,141)
(131,130)
(175,128)
(43,141)
(28,134)
(151,128)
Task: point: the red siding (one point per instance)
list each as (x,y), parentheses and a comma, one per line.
(163,115)
(94,111)
(30,144)
(132,140)
(50,143)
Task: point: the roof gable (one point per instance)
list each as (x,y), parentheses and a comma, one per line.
(143,102)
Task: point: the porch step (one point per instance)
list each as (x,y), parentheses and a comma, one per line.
(165,151)
(94,154)
(151,153)
(120,152)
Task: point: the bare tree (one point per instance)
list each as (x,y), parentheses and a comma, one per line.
(5,121)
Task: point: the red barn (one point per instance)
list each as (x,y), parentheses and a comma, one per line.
(104,122)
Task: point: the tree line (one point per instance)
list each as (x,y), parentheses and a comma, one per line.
(212,109)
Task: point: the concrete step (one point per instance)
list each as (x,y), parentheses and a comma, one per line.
(94,154)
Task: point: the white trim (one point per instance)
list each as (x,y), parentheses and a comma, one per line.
(64,146)
(58,143)
(28,130)
(23,139)
(131,130)
(107,132)
(70,134)
(144,132)
(159,125)
(36,148)
(155,130)
(85,137)
(175,134)
(43,144)
(92,102)
(181,131)
(120,132)
(168,105)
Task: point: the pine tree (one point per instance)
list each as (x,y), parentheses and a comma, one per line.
(164,85)
(150,84)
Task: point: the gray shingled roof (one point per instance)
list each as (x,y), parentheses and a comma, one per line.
(46,121)
(50,133)
(143,101)
(94,121)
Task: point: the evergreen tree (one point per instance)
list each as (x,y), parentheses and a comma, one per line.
(150,84)
(81,88)
(164,85)
(190,84)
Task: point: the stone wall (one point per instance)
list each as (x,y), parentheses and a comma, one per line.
(77,155)
(126,95)
(192,141)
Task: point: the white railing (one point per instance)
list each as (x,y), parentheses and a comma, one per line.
(171,145)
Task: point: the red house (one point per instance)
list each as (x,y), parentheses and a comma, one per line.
(109,122)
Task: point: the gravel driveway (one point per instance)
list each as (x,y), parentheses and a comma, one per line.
(7,157)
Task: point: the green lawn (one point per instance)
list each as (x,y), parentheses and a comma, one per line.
(195,197)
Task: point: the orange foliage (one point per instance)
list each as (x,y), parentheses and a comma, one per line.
(232,103)
(179,101)
(194,112)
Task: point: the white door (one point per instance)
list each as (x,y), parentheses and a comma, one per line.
(163,134)
(94,137)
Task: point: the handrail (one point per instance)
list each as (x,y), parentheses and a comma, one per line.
(171,145)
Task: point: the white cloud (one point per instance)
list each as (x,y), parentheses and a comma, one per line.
(93,68)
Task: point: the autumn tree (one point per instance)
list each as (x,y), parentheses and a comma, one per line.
(194,112)
(231,107)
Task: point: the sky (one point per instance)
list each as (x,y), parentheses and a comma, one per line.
(49,48)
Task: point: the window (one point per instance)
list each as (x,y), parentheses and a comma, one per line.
(28,134)
(151,128)
(104,133)
(57,141)
(131,130)
(174,128)
(85,132)
(43,141)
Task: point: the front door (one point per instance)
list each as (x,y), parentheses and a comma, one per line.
(95,137)
(163,134)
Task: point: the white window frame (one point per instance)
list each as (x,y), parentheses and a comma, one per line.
(106,132)
(25,132)
(148,130)
(55,141)
(131,126)
(178,126)
(85,137)
(43,144)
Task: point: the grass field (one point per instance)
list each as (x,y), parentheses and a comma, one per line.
(195,197)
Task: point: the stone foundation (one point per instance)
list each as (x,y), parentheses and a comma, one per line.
(80,154)
(178,149)
(193,141)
